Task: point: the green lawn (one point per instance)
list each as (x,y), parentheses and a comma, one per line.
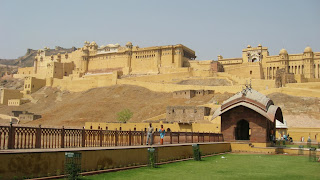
(297,146)
(233,166)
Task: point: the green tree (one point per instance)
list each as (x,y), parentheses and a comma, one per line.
(124,115)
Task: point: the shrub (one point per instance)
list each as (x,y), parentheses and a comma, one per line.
(124,115)
(73,171)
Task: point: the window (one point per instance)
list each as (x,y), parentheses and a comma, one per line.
(250,72)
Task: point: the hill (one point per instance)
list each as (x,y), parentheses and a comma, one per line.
(27,59)
(60,108)
(298,111)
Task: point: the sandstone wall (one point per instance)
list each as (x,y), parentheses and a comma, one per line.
(7,94)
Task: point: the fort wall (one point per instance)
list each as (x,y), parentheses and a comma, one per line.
(160,87)
(161,77)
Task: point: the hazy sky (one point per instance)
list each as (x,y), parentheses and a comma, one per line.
(208,27)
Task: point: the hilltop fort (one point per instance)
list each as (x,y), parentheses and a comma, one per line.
(178,82)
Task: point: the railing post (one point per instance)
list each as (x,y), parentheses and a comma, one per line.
(116,137)
(11,138)
(153,137)
(186,137)
(38,137)
(203,136)
(209,136)
(62,137)
(141,134)
(191,136)
(178,137)
(198,136)
(101,137)
(130,137)
(83,139)
(218,137)
(170,137)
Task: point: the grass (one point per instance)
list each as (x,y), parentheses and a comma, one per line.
(233,166)
(297,146)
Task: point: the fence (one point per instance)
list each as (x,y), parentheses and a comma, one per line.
(18,137)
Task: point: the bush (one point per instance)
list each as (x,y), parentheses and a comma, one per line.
(124,115)
(73,171)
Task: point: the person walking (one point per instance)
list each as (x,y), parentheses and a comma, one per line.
(150,134)
(162,133)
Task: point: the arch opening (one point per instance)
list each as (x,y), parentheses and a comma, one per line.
(242,130)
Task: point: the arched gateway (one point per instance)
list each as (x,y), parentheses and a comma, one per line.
(248,115)
(242,130)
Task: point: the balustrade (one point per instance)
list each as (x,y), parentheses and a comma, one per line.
(19,137)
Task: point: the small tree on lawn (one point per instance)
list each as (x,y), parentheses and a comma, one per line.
(124,115)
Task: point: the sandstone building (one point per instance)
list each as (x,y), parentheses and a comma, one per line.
(104,59)
(188,94)
(256,63)
(186,114)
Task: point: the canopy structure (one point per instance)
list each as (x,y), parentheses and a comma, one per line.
(254,100)
(250,116)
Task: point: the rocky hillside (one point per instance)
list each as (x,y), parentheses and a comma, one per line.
(298,111)
(60,108)
(27,59)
